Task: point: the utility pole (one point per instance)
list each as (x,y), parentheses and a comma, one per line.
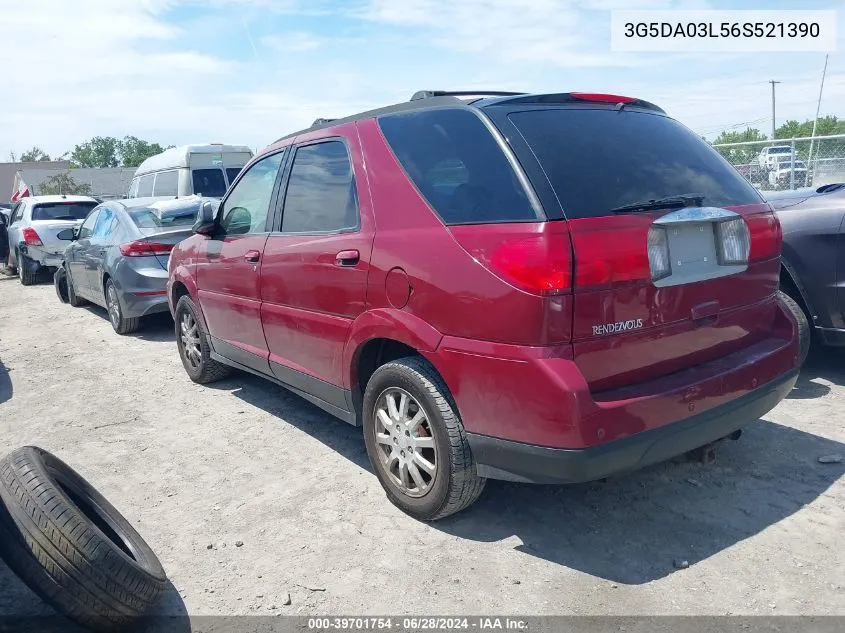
(816,120)
(773,82)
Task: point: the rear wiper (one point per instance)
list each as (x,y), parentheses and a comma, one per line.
(669,202)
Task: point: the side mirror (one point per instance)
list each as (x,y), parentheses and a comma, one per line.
(206,218)
(68,235)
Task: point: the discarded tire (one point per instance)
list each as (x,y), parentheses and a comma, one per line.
(71,546)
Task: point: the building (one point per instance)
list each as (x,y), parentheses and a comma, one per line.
(106,183)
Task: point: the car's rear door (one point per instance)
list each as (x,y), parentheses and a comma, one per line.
(662,289)
(229,270)
(315,265)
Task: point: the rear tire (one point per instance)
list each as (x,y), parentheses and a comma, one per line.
(804,334)
(194,349)
(71,546)
(454,484)
(27,278)
(72,297)
(120,323)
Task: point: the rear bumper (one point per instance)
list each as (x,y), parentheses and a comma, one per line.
(515,461)
(35,257)
(142,286)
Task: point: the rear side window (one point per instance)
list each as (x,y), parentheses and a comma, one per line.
(598,159)
(167,183)
(63,211)
(457,165)
(145,186)
(209,182)
(321,192)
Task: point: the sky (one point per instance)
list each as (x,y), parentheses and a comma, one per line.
(250,71)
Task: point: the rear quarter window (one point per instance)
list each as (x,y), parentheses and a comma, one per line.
(597,159)
(458,167)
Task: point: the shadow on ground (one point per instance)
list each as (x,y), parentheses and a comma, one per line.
(823,363)
(6,389)
(155,327)
(23,611)
(632,529)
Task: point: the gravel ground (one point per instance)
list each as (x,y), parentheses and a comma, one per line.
(200,469)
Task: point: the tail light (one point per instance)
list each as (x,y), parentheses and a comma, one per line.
(30,237)
(732,242)
(540,264)
(612,252)
(536,258)
(766,236)
(658,253)
(144,249)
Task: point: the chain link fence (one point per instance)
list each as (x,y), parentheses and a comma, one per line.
(788,163)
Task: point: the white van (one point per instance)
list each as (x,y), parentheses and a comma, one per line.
(205,170)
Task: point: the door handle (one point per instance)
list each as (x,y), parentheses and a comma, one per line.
(347,258)
(252,256)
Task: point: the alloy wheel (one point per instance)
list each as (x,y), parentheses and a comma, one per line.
(113,305)
(189,337)
(405,442)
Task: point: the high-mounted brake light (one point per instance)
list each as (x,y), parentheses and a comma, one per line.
(144,249)
(604,98)
(30,237)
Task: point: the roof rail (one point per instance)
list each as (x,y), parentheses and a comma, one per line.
(427,94)
(321,122)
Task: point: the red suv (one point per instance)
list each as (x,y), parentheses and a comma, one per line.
(538,288)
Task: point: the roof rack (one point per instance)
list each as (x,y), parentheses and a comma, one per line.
(427,94)
(321,122)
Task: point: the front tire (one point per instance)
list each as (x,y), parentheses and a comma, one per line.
(194,350)
(416,441)
(120,323)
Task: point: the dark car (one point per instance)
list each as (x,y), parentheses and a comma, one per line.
(118,257)
(488,303)
(813,260)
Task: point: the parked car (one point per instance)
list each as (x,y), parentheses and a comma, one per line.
(205,170)
(487,304)
(769,156)
(118,258)
(4,236)
(813,261)
(33,233)
(788,174)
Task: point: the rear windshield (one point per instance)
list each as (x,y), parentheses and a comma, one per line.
(156,219)
(598,159)
(62,210)
(458,166)
(209,182)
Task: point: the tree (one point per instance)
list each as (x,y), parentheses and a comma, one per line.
(108,151)
(100,151)
(133,151)
(63,183)
(744,153)
(36,154)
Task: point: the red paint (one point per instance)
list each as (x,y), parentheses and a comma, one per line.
(504,312)
(601,97)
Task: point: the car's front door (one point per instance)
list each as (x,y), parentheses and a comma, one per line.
(76,256)
(228,276)
(101,240)
(315,265)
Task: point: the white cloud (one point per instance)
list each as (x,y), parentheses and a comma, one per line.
(294,42)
